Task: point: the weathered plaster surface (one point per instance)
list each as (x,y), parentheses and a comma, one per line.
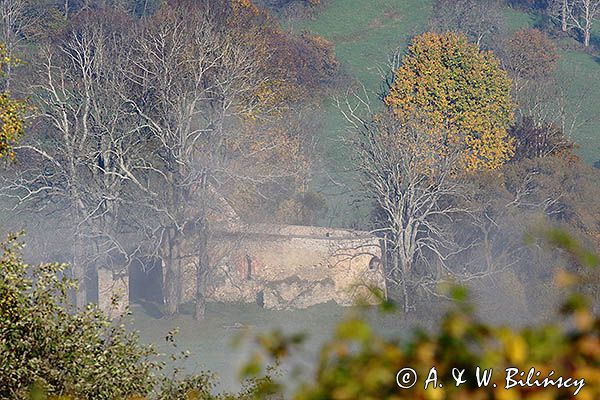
(291,267)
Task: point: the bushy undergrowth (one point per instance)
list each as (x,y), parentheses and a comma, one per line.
(44,342)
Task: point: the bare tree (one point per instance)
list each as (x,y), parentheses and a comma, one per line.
(88,140)
(559,11)
(145,127)
(583,14)
(577,14)
(545,103)
(194,82)
(413,182)
(481,20)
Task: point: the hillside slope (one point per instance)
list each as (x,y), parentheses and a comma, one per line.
(366,32)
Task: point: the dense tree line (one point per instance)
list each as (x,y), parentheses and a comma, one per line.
(143,126)
(146,122)
(471,152)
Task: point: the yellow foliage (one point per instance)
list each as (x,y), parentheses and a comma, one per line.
(239,6)
(462,92)
(12,112)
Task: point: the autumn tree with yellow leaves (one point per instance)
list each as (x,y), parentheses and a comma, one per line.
(463,93)
(448,110)
(12,112)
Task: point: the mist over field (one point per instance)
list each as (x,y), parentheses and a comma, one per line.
(239,181)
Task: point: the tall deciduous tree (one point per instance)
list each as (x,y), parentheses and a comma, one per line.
(12,112)
(196,81)
(88,141)
(14,21)
(530,57)
(530,54)
(189,77)
(411,176)
(414,190)
(580,15)
(559,10)
(583,14)
(462,92)
(146,126)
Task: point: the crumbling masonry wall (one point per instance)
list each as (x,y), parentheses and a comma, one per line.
(113,292)
(286,267)
(276,266)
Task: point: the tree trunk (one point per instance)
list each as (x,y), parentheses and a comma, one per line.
(171,306)
(79,272)
(586,37)
(200,311)
(399,274)
(563,14)
(202,270)
(171,277)
(404,294)
(201,276)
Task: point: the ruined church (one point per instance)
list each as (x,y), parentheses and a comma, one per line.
(275,266)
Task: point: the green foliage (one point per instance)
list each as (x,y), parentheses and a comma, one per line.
(48,349)
(44,341)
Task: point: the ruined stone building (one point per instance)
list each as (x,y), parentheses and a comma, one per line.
(275,266)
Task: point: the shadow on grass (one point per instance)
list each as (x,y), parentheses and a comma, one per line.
(151,309)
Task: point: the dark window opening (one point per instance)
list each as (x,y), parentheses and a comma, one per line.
(374,263)
(260,299)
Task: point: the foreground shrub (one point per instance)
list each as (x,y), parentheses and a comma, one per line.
(46,343)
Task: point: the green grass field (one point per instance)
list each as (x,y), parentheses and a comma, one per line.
(365,32)
(223,342)
(213,345)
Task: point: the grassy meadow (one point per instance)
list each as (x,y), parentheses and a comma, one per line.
(222,343)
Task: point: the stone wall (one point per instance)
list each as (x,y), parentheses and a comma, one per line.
(284,267)
(113,292)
